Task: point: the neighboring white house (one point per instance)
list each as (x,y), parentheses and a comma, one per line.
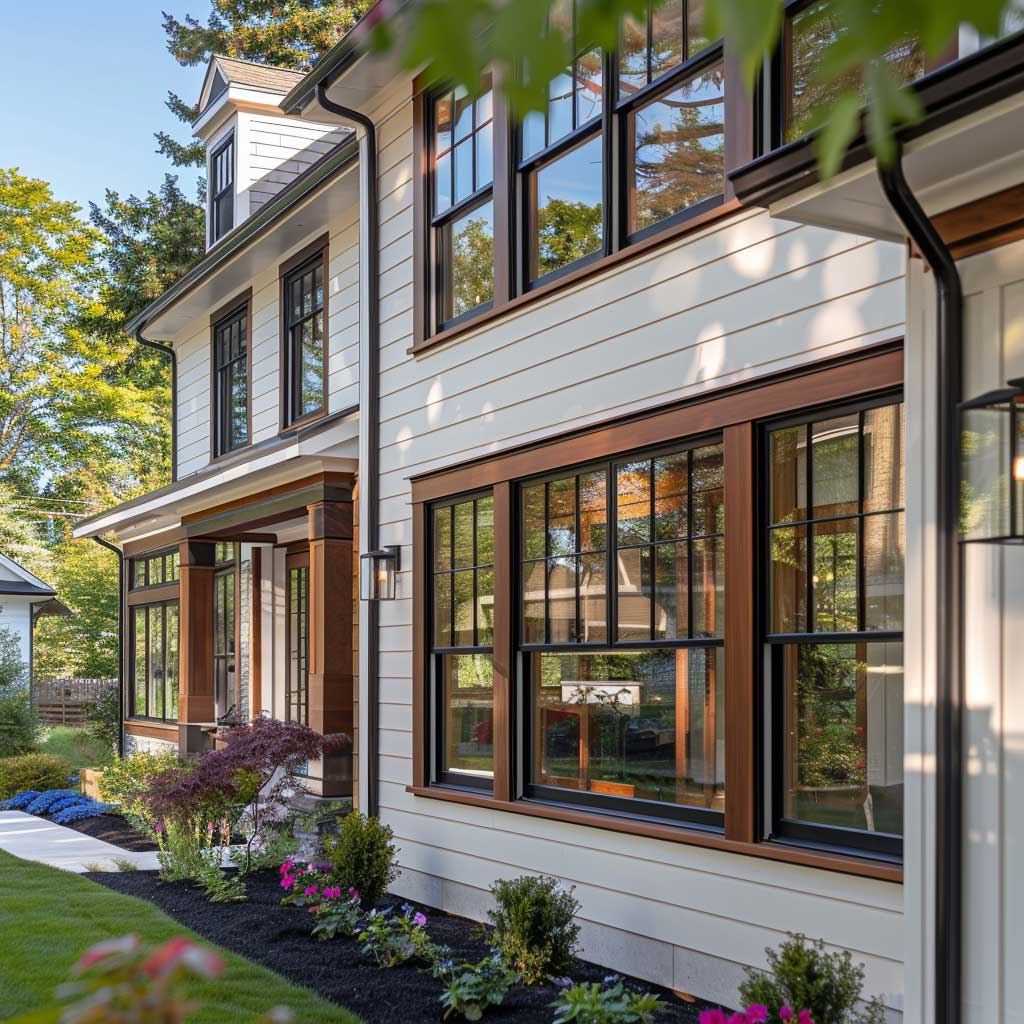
(24,599)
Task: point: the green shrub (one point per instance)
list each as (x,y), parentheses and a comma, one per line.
(534,926)
(590,1003)
(19,725)
(125,781)
(103,717)
(802,974)
(363,856)
(31,771)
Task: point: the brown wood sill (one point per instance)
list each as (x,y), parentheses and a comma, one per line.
(849,865)
(629,252)
(150,727)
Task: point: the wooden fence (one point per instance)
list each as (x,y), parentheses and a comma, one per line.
(64,701)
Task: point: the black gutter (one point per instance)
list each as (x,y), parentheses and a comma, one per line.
(167,350)
(369,475)
(949,653)
(121,618)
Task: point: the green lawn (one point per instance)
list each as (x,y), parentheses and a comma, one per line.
(48,918)
(75,746)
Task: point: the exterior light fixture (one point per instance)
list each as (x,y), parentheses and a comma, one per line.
(992,466)
(378,574)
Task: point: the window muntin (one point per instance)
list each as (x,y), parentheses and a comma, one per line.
(154,661)
(671,34)
(222,189)
(297,674)
(304,340)
(626,682)
(154,570)
(808,33)
(835,549)
(230,382)
(462,632)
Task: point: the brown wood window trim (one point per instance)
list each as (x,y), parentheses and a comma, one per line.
(512,290)
(217,318)
(734,414)
(305,255)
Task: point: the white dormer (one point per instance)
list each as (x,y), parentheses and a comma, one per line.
(252,149)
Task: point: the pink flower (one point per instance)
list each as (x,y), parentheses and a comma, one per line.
(101,950)
(352,892)
(286,867)
(159,826)
(712,1017)
(805,1017)
(312,890)
(738,1018)
(757,1014)
(785,1012)
(210,826)
(288,881)
(419,919)
(332,892)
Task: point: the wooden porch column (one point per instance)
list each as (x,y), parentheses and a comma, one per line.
(331,671)
(195,687)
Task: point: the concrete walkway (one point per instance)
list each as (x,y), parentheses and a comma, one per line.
(39,839)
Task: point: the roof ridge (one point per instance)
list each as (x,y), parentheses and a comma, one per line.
(257,64)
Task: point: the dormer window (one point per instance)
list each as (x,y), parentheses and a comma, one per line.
(222,189)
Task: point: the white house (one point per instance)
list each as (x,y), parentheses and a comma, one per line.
(24,599)
(648,442)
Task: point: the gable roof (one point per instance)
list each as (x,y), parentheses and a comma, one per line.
(223,72)
(24,581)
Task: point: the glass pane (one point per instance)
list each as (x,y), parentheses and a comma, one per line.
(172,661)
(593,583)
(671,478)
(463,114)
(484,141)
(561,600)
(679,149)
(139,573)
(139,654)
(708,491)
(443,610)
(835,576)
(533,521)
(463,170)
(844,733)
(485,103)
(696,39)
(633,512)
(671,592)
(443,183)
(884,552)
(641,725)
(468,714)
(632,57)
(443,538)
(666,36)
(533,133)
(464,535)
(593,511)
(589,86)
(484,531)
(443,123)
(559,108)
(708,558)
(568,216)
(463,609)
(533,602)
(562,516)
(788,546)
(788,474)
(484,607)
(884,431)
(312,366)
(834,466)
(634,594)
(239,405)
(467,261)
(156,662)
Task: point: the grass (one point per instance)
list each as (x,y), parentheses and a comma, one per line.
(48,918)
(75,746)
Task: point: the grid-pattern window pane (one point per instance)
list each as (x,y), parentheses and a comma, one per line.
(154,660)
(222,198)
(224,664)
(462,617)
(670,34)
(304,340)
(463,145)
(230,382)
(154,570)
(297,690)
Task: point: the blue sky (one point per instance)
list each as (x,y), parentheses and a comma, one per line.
(84,84)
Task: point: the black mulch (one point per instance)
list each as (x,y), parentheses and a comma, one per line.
(113,829)
(263,931)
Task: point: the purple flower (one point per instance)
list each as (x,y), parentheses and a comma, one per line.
(332,892)
(159,826)
(419,919)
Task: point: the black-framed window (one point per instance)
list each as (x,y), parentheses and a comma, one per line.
(462,639)
(222,189)
(462,202)
(154,660)
(231,381)
(833,621)
(154,570)
(621,621)
(225,614)
(304,385)
(297,675)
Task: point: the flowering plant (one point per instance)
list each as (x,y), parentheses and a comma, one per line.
(393,939)
(609,1003)
(757,1014)
(471,988)
(304,882)
(336,914)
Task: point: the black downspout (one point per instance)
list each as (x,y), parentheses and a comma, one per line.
(121,616)
(949,661)
(369,477)
(167,350)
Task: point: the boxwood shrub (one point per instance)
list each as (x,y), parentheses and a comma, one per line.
(31,771)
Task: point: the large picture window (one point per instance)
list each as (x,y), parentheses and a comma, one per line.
(462,637)
(154,661)
(304,369)
(231,381)
(622,632)
(835,549)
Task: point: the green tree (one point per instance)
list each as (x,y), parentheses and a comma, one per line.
(567,231)
(290,35)
(19,725)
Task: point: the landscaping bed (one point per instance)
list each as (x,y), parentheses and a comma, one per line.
(114,829)
(265,932)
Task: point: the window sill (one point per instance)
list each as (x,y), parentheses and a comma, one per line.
(141,726)
(844,863)
(548,287)
(294,426)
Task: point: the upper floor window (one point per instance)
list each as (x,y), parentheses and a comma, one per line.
(154,570)
(304,369)
(231,381)
(222,189)
(462,223)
